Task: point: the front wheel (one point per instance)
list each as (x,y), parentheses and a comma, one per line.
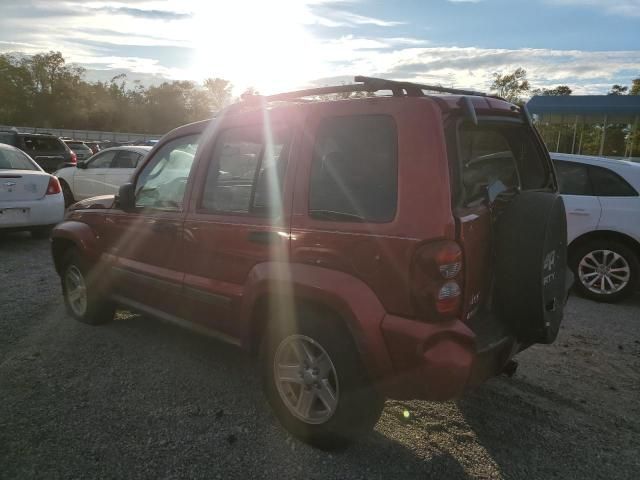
(606,270)
(83,297)
(67,194)
(315,381)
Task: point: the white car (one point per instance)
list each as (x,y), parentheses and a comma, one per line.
(602,200)
(102,174)
(30,198)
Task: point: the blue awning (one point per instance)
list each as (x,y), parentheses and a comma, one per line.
(587,108)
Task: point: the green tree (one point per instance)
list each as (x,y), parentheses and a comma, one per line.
(635,87)
(511,86)
(618,90)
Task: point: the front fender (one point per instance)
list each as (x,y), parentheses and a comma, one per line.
(78,233)
(351,298)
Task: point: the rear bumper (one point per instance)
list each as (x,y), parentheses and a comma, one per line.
(439,361)
(48,210)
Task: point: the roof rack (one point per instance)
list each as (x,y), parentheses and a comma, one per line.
(366,84)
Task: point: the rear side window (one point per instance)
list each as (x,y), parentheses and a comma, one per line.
(246,172)
(609,184)
(493,153)
(43,144)
(573,178)
(8,138)
(354,172)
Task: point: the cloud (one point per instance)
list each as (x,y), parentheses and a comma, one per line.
(613,7)
(141,13)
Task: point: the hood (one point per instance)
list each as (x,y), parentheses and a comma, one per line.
(103,202)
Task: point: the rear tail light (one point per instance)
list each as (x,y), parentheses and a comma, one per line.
(54,186)
(74,158)
(436,279)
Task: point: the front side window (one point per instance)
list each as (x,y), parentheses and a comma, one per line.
(354,174)
(103,160)
(499,153)
(163,181)
(246,172)
(609,184)
(573,178)
(13,160)
(125,159)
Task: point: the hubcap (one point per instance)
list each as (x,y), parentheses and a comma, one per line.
(604,272)
(306,379)
(76,290)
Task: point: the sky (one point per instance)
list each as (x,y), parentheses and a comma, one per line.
(277,45)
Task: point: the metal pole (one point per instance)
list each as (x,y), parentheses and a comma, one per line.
(634,134)
(580,143)
(604,135)
(575,131)
(558,142)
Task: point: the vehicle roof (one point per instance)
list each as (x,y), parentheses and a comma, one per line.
(593,160)
(135,148)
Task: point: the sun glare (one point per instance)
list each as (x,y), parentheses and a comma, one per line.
(259,44)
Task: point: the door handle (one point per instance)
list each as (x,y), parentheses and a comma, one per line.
(264,238)
(579,212)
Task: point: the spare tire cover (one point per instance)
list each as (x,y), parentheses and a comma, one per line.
(530,245)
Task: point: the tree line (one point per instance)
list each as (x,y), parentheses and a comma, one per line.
(44,91)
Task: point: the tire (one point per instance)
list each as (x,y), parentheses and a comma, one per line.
(584,262)
(84,296)
(357,405)
(67,194)
(41,233)
(531,285)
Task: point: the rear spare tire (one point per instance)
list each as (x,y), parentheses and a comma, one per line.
(530,245)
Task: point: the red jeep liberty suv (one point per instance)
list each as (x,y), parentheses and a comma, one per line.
(365,245)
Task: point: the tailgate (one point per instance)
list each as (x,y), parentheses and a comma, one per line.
(21,185)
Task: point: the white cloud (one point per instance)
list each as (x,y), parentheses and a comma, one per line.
(615,7)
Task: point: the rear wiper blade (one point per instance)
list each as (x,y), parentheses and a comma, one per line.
(332,215)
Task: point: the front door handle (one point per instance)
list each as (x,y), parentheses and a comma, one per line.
(580,212)
(264,237)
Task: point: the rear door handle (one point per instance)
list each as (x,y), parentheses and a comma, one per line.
(579,211)
(264,238)
(164,227)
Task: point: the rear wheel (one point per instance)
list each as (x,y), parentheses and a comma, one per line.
(315,381)
(83,297)
(606,270)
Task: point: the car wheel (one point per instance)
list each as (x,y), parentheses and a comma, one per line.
(41,232)
(605,270)
(83,296)
(315,381)
(67,194)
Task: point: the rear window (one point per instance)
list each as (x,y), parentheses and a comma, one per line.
(43,144)
(13,160)
(354,174)
(496,155)
(77,145)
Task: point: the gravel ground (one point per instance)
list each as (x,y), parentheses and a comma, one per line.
(142,399)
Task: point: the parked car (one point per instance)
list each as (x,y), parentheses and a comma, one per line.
(101,174)
(30,199)
(347,243)
(82,151)
(47,150)
(603,223)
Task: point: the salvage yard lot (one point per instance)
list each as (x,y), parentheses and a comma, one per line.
(139,398)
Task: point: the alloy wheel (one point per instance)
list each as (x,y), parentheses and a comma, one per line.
(306,379)
(604,272)
(76,290)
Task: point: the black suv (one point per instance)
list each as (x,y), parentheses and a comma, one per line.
(47,150)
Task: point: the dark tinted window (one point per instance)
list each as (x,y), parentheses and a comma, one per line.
(573,178)
(609,184)
(125,159)
(497,152)
(76,145)
(246,172)
(354,175)
(43,144)
(9,138)
(102,160)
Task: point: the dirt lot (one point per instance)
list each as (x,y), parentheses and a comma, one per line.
(141,399)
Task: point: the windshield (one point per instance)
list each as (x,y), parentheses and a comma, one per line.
(15,160)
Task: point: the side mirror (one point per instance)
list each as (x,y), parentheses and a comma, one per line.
(81,164)
(126,198)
